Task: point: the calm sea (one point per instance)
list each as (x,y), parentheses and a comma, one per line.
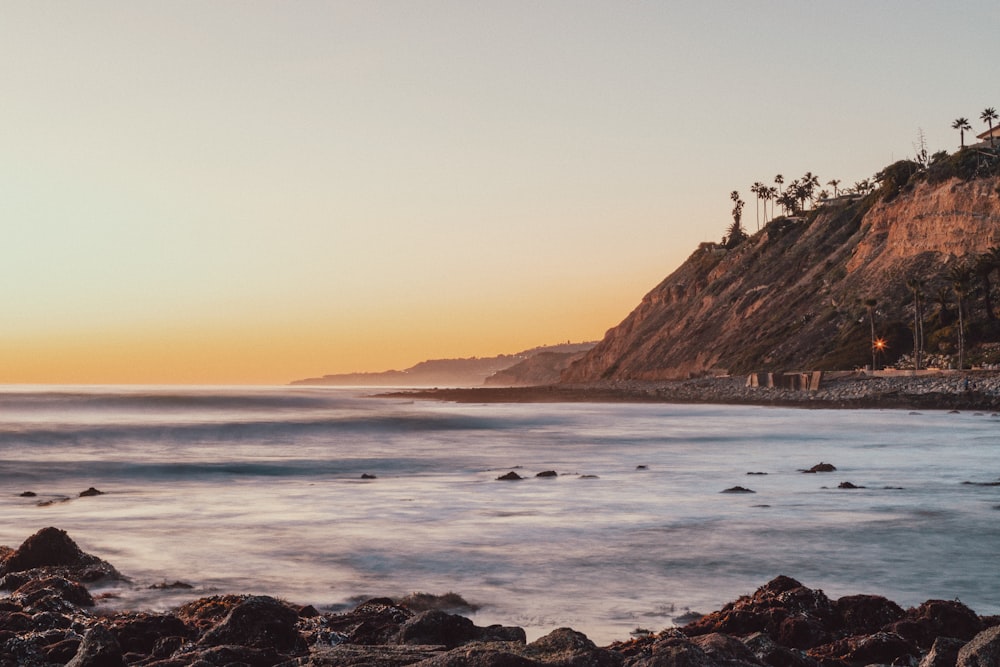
(260,490)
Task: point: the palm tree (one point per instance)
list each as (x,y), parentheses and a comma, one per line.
(961,124)
(870,304)
(988,116)
(757,188)
(735,233)
(772,196)
(916,286)
(961,277)
(778,180)
(834,183)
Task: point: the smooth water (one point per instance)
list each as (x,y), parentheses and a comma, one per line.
(260,490)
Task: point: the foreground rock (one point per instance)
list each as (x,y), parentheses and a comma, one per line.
(48,619)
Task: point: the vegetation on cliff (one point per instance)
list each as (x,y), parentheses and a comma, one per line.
(914,259)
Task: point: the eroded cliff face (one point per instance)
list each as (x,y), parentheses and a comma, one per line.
(792,296)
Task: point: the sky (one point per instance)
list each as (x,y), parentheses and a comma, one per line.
(248,192)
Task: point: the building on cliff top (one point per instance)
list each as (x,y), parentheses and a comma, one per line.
(985,136)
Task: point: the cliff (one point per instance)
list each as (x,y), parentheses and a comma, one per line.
(793,296)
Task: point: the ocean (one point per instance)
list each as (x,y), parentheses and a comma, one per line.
(260,490)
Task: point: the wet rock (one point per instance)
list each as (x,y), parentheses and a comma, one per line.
(53,549)
(91,492)
(943,653)
(376,621)
(368,476)
(29,494)
(480,655)
(982,651)
(257,622)
(99,648)
(668,649)
(204,613)
(769,652)
(142,632)
(448,602)
(641,467)
(509,477)
(547,473)
(437,627)
(62,651)
(821,467)
(738,489)
(883,648)
(565,646)
(725,649)
(177,585)
(865,614)
(937,618)
(54,594)
(848,485)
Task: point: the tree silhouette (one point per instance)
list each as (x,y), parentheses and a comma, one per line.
(778,180)
(988,116)
(772,196)
(807,186)
(916,286)
(735,234)
(961,124)
(961,277)
(758,189)
(985,265)
(834,183)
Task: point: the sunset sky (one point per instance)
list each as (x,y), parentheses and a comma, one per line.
(255,192)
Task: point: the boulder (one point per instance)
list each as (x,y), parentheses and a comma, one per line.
(257,622)
(821,467)
(547,473)
(53,549)
(937,618)
(982,651)
(143,632)
(509,477)
(567,647)
(865,614)
(99,648)
(769,652)
(943,653)
(738,489)
(91,492)
(375,621)
(437,627)
(52,594)
(884,648)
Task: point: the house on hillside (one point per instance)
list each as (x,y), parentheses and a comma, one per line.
(984,138)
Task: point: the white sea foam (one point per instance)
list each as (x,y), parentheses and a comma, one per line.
(240,490)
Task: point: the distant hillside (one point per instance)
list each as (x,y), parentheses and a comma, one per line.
(470,372)
(796,295)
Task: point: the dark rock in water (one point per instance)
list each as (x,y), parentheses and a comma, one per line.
(29,494)
(756,473)
(177,585)
(447,602)
(738,489)
(98,649)
(91,492)
(982,651)
(821,467)
(589,477)
(509,477)
(53,549)
(848,485)
(967,483)
(642,467)
(52,594)
(547,473)
(258,622)
(367,476)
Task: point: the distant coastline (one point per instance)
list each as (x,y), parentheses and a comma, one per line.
(947,390)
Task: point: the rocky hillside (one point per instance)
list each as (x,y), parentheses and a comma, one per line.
(467,372)
(793,296)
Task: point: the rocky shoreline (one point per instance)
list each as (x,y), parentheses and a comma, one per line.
(49,617)
(948,390)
